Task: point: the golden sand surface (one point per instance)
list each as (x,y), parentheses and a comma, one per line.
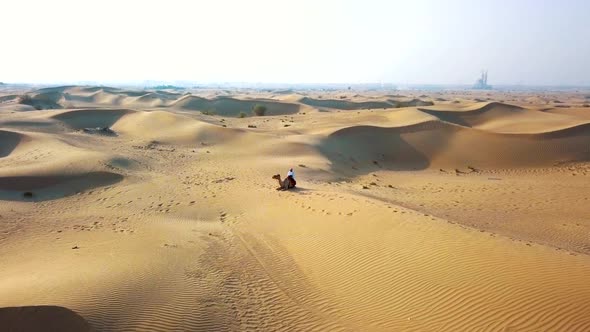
(414,211)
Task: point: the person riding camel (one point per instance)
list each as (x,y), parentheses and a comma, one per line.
(291,177)
(288,183)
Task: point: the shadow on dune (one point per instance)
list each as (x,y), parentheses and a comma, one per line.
(298,190)
(360,105)
(85,99)
(8,142)
(450,117)
(360,150)
(42,188)
(41,101)
(41,318)
(345,104)
(363,149)
(227,106)
(84,118)
(476,115)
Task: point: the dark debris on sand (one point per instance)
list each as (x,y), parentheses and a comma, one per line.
(104,131)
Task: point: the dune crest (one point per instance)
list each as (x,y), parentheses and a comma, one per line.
(504,118)
(440,144)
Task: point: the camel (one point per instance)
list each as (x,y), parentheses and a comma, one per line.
(286,184)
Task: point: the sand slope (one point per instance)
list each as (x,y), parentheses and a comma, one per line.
(69,97)
(359,105)
(438,144)
(10,140)
(419,274)
(505,118)
(78,119)
(226,106)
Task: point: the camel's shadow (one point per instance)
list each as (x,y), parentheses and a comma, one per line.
(297,190)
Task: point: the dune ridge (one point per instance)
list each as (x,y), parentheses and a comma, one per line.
(359,105)
(71,97)
(504,118)
(227,106)
(440,144)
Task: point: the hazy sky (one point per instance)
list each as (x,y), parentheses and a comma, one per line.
(305,41)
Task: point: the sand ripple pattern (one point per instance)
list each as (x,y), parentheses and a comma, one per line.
(403,280)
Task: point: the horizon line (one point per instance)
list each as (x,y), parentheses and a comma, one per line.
(148,82)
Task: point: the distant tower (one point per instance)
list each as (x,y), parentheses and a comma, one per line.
(482,82)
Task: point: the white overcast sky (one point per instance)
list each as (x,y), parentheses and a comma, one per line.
(543,42)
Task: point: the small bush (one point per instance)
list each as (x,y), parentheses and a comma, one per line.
(242,115)
(25,100)
(208,112)
(259,110)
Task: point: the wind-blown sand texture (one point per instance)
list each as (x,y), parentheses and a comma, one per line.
(426,211)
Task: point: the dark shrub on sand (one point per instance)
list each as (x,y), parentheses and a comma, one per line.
(259,110)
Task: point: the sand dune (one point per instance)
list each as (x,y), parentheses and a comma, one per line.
(76,97)
(360,105)
(9,141)
(226,106)
(467,216)
(54,186)
(475,114)
(78,119)
(63,88)
(38,101)
(419,281)
(345,104)
(504,118)
(8,98)
(48,167)
(407,102)
(166,127)
(35,168)
(438,144)
(582,113)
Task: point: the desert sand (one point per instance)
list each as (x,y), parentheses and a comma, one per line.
(413,211)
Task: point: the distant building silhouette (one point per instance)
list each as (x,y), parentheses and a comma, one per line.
(482,82)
